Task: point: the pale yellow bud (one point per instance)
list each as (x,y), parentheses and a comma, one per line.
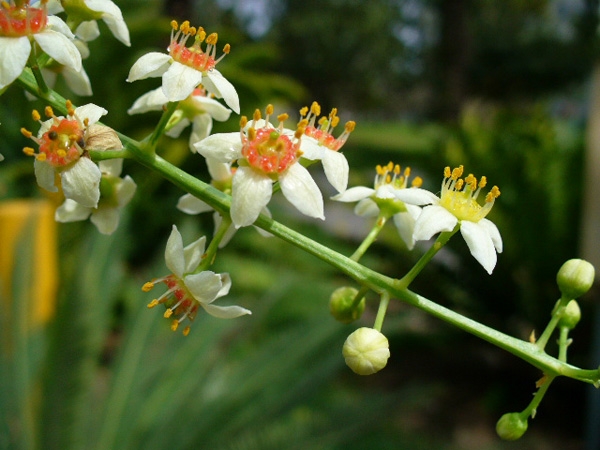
(366,351)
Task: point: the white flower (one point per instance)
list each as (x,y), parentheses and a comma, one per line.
(198,109)
(222,176)
(264,154)
(188,291)
(115,192)
(184,68)
(84,14)
(383,201)
(457,205)
(61,141)
(77,81)
(319,144)
(19,25)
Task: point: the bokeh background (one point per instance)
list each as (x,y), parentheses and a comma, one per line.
(505,87)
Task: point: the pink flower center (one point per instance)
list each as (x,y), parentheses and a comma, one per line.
(17,21)
(269,151)
(194,56)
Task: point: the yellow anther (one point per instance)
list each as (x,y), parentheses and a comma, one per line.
(174,325)
(350,126)
(40,157)
(251,133)
(389,166)
(186,330)
(417,182)
(5,5)
(86,122)
(388,179)
(185,26)
(25,132)
(35,115)
(315,108)
(459,185)
(299,132)
(397,169)
(323,122)
(447,173)
(243,121)
(192,31)
(227,49)
(28,151)
(153,303)
(406,172)
(283,117)
(212,39)
(483,182)
(200,35)
(257,115)
(471,181)
(61,153)
(174,25)
(379,169)
(168,313)
(334,121)
(333,113)
(493,194)
(269,109)
(48,112)
(457,172)
(303,111)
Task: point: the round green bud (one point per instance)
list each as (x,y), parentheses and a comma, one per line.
(570,316)
(366,351)
(511,426)
(575,278)
(341,305)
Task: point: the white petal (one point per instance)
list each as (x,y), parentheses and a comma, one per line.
(336,169)
(44,175)
(55,23)
(230,231)
(311,149)
(81,182)
(71,211)
(152,64)
(222,88)
(416,196)
(112,17)
(225,312)
(111,166)
(251,192)
(125,191)
(201,128)
(179,81)
(204,286)
(78,82)
(150,101)
(174,253)
(219,171)
(14,53)
(192,254)
(492,230)
(91,112)
(221,147)
(176,130)
(88,30)
(106,219)
(59,47)
(366,208)
(480,244)
(301,191)
(192,205)
(354,194)
(405,224)
(216,110)
(432,220)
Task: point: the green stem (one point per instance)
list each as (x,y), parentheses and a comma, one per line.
(42,87)
(537,398)
(563,343)
(211,252)
(162,125)
(366,243)
(359,296)
(556,315)
(441,240)
(383,304)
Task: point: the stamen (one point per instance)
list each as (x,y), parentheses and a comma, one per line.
(147,287)
(153,303)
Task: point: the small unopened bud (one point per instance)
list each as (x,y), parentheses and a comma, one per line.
(341,304)
(570,316)
(575,278)
(511,426)
(366,351)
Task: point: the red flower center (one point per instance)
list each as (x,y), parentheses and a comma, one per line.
(62,143)
(270,151)
(17,21)
(194,56)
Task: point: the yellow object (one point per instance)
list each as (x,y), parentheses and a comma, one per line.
(33,221)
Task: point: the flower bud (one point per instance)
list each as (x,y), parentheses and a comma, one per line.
(341,305)
(570,316)
(366,351)
(511,426)
(575,278)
